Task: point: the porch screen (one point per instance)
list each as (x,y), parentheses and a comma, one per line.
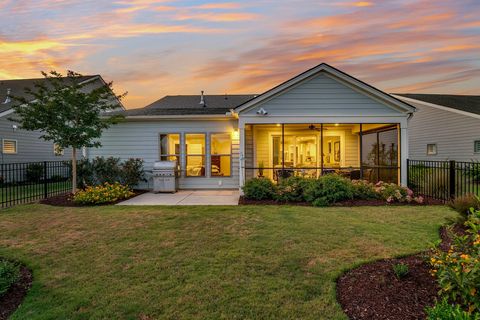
(170,147)
(195,146)
(221,154)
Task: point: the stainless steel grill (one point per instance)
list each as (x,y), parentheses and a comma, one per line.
(165,176)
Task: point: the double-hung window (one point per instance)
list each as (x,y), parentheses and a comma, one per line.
(170,147)
(431,149)
(221,154)
(195,157)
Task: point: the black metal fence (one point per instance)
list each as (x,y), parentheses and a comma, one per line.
(32,181)
(443,180)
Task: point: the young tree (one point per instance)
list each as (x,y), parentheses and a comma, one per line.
(67,112)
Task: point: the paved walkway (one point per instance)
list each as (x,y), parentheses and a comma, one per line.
(187,198)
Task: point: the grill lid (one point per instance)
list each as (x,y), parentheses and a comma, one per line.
(164,165)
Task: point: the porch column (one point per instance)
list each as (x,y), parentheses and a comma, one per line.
(241,156)
(403,152)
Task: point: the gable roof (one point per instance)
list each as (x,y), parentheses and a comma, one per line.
(465,103)
(17,88)
(190,105)
(324,67)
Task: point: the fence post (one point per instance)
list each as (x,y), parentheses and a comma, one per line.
(45,186)
(408,173)
(452,179)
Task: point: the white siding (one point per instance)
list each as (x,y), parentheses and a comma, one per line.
(141,140)
(323,95)
(453,133)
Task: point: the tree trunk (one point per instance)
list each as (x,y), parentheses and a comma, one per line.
(74,170)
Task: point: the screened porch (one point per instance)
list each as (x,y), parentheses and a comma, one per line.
(356,151)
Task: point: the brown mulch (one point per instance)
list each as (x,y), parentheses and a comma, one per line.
(372,291)
(66,200)
(12,299)
(347,203)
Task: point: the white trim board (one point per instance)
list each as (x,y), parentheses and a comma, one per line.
(437,106)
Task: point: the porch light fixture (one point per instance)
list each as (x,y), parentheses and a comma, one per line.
(235,134)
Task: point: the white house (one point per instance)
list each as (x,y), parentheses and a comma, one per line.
(321,121)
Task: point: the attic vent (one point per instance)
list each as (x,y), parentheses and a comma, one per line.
(7,99)
(202,99)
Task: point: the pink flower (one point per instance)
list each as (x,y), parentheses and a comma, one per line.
(390,199)
(379,184)
(409,192)
(419,199)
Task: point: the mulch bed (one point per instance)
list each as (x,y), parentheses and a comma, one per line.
(12,299)
(372,291)
(347,203)
(66,200)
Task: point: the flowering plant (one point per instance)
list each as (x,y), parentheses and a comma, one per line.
(392,192)
(105,193)
(458,270)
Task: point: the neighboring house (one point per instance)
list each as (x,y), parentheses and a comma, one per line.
(19,145)
(444,127)
(322,120)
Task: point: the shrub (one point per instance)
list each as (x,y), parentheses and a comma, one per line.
(9,274)
(328,189)
(458,270)
(34,172)
(400,270)
(364,190)
(100,170)
(259,189)
(463,204)
(292,189)
(132,172)
(446,311)
(392,192)
(102,194)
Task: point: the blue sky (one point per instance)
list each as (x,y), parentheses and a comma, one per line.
(153,48)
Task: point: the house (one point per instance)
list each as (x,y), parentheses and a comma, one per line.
(444,127)
(321,121)
(19,146)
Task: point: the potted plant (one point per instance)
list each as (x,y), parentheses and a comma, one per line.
(260,169)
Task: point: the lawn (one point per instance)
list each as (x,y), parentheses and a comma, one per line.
(247,262)
(27,192)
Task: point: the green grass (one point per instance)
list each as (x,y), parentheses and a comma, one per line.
(247,262)
(18,192)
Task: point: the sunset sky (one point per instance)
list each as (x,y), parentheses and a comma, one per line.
(154,48)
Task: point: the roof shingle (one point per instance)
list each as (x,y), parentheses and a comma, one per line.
(190,105)
(459,102)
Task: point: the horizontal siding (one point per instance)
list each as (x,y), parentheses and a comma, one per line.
(453,133)
(141,140)
(323,95)
(30,147)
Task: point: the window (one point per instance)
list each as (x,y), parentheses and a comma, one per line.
(195,146)
(170,148)
(476,146)
(57,150)
(221,154)
(9,146)
(431,149)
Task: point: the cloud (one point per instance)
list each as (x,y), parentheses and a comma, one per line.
(222,5)
(218,17)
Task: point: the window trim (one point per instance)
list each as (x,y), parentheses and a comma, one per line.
(62,153)
(221,154)
(475,146)
(204,155)
(3,146)
(160,154)
(436,149)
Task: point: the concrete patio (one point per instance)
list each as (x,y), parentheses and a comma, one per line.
(186,198)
